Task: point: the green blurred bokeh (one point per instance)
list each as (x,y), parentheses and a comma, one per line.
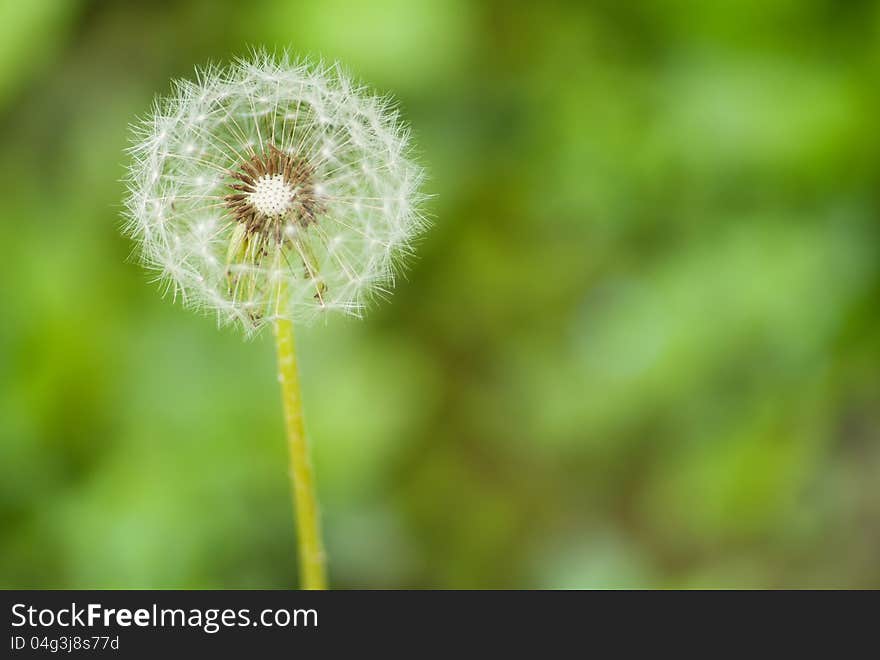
(638,348)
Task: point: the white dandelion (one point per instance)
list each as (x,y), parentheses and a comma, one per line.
(273,189)
(270,192)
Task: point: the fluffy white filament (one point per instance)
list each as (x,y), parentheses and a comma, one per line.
(365,184)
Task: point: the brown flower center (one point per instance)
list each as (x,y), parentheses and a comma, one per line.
(274,191)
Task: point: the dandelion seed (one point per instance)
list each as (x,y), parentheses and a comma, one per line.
(280,155)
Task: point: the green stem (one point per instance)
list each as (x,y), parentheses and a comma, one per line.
(305,502)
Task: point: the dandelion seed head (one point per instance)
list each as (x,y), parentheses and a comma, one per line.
(273,180)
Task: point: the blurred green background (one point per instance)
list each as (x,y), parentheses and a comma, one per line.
(639,347)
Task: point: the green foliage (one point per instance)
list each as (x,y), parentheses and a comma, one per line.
(638,348)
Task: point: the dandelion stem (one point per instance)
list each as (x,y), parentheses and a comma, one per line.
(305,502)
